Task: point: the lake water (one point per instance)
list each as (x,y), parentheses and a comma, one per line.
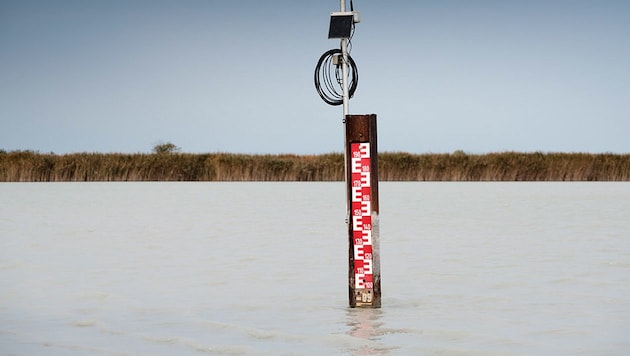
(260,268)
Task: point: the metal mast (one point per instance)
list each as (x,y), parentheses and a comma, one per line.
(344,68)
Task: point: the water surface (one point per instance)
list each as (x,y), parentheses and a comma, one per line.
(260,268)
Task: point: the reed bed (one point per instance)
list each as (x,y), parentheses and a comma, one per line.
(29,166)
(504,166)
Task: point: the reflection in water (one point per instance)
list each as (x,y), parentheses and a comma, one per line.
(366,324)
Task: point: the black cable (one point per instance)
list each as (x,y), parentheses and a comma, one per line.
(349,43)
(328,91)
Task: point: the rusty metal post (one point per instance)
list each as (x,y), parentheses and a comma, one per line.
(364,276)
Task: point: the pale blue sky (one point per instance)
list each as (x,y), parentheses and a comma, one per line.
(237,76)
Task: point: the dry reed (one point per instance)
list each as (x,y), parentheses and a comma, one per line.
(29,166)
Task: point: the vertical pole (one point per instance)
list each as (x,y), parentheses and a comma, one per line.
(345,98)
(344,68)
(344,73)
(364,275)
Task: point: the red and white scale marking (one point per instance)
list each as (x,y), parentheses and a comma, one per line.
(361,215)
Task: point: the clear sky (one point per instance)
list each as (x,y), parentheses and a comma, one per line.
(237,76)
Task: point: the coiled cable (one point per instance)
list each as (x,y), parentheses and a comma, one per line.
(327,73)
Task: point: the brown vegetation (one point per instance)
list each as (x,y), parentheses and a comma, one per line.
(505,166)
(28,166)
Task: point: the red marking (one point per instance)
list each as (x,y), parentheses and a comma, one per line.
(366,220)
(366,193)
(365,164)
(361,200)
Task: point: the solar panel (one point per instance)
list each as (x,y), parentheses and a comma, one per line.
(340,24)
